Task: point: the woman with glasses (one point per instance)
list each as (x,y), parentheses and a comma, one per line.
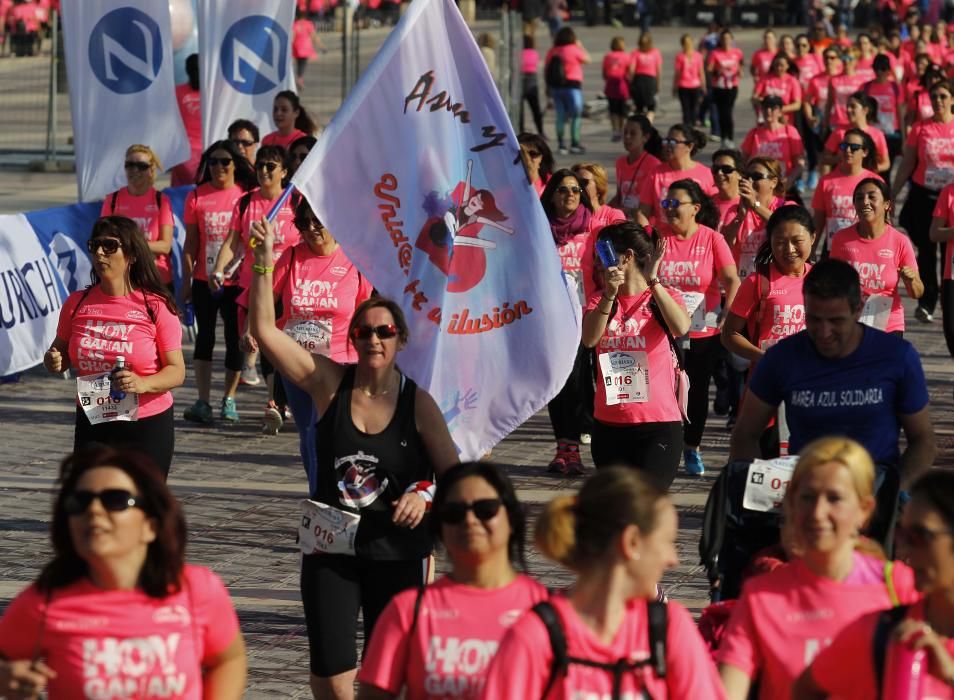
(477,517)
(726,171)
(125,313)
(928,162)
(537,158)
(698,260)
(244,136)
(117,607)
(380,442)
(886,93)
(778,140)
(806,61)
(642,145)
(882,255)
(224,176)
(813,111)
(724,65)
(846,668)
(682,142)
(596,184)
(784,618)
(618,536)
(862,114)
(140,201)
(833,201)
(291,121)
(761,191)
(761,61)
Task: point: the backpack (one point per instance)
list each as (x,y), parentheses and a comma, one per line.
(887,622)
(555,72)
(658,621)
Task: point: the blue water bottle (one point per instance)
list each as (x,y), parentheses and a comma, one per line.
(189,315)
(116,395)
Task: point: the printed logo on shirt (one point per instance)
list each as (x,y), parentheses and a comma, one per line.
(886,253)
(456,667)
(842,207)
(681,273)
(318,294)
(90,311)
(870,274)
(571,253)
(938,148)
(807,398)
(80,623)
(99,338)
(172,615)
(136,315)
(788,319)
(359,484)
(140,667)
(339,271)
(508,618)
(624,336)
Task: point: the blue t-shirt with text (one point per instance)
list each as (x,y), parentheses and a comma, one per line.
(860,396)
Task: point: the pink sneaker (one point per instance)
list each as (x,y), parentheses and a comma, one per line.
(558,464)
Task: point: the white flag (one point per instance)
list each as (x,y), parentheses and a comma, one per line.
(245,60)
(122,88)
(419,178)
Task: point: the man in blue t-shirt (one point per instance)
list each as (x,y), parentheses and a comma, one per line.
(839,377)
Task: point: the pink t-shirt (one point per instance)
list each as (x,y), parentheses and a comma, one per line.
(123,644)
(646,62)
(634,340)
(629,175)
(286,235)
(877,262)
(572,56)
(655,187)
(785,617)
(842,87)
(103,328)
(934,142)
(147,215)
(944,209)
(615,64)
(276,139)
(190,108)
(919,104)
(529,61)
(775,310)
(689,70)
(692,265)
(455,639)
(750,237)
(576,256)
(785,87)
(845,669)
(834,195)
(728,208)
(604,216)
(302,45)
(762,62)
(877,136)
(784,144)
(726,67)
(817,92)
(887,95)
(808,66)
(522,666)
(319,289)
(210,209)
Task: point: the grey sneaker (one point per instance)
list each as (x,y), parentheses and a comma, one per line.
(199,412)
(923,315)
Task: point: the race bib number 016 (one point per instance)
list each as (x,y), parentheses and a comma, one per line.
(312,334)
(92,390)
(625,377)
(766,483)
(326,529)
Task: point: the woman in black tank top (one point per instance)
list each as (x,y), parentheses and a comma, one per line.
(381,441)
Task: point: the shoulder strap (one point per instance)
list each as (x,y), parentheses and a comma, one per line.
(551,620)
(763,286)
(243,203)
(887,621)
(158,200)
(677,351)
(112,202)
(418,598)
(80,302)
(657,613)
(889,583)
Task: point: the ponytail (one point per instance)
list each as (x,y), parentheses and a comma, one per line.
(303,122)
(555,534)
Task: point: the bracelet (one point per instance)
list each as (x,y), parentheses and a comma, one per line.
(262,269)
(654,282)
(606,298)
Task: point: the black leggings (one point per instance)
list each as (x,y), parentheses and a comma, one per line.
(652,448)
(571,411)
(701,359)
(333,588)
(531,95)
(916,220)
(724,99)
(947,309)
(206,307)
(153,436)
(689,99)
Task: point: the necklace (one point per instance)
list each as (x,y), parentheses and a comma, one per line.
(371,395)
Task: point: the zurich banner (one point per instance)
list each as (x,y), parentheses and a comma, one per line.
(440,216)
(122,89)
(245,60)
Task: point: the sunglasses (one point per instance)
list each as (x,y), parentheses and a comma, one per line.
(137,165)
(534,154)
(831,58)
(314,226)
(918,536)
(113,500)
(299,157)
(853,147)
(723,169)
(243,143)
(221,162)
(758,177)
(586,182)
(669,141)
(267,167)
(672,203)
(455,512)
(109,245)
(573,189)
(384,331)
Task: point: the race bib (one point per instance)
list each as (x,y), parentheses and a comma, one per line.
(766,483)
(938,177)
(696,306)
(212,249)
(886,121)
(625,377)
(834,224)
(767,343)
(324,529)
(312,334)
(577,277)
(92,390)
(877,311)
(631,201)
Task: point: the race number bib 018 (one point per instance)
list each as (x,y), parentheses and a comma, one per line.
(938,177)
(324,529)
(766,482)
(625,377)
(92,390)
(696,306)
(312,334)
(877,311)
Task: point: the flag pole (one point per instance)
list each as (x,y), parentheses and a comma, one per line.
(279,203)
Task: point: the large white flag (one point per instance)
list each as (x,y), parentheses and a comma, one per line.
(245,60)
(419,178)
(122,88)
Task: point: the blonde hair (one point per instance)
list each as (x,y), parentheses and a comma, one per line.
(617,43)
(645,41)
(577,531)
(142,148)
(774,167)
(600,179)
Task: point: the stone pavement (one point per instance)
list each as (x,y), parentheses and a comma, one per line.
(240,489)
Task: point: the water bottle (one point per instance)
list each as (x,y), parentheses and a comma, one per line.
(115,395)
(188,314)
(904,672)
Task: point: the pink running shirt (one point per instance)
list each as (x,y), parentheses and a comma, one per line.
(646,62)
(762,62)
(944,209)
(835,196)
(934,142)
(689,70)
(654,187)
(572,56)
(522,666)
(615,64)
(148,217)
(276,139)
(302,45)
(877,262)
(843,86)
(775,310)
(456,636)
(629,175)
(286,235)
(887,95)
(786,87)
(808,66)
(784,144)
(210,209)
(785,617)
(750,237)
(817,92)
(726,65)
(191,110)
(123,643)
(529,61)
(104,327)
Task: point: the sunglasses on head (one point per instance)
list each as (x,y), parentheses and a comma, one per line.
(113,500)
(672,203)
(724,169)
(243,143)
(455,512)
(572,189)
(853,147)
(384,331)
(222,162)
(670,141)
(918,536)
(108,245)
(757,177)
(266,166)
(137,165)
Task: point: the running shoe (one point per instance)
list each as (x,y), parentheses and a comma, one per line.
(250,376)
(923,315)
(228,411)
(693,463)
(199,412)
(558,463)
(585,438)
(273,419)
(577,149)
(574,466)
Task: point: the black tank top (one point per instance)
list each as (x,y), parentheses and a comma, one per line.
(364,473)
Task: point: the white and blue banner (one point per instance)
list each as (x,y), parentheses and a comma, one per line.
(439,215)
(43,259)
(244,61)
(122,89)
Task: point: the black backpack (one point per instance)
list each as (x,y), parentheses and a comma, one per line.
(887,622)
(555,72)
(658,621)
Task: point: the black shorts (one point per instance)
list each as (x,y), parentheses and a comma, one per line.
(617,106)
(643,92)
(153,436)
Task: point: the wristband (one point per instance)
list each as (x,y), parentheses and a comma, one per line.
(424,489)
(262,269)
(218,276)
(654,282)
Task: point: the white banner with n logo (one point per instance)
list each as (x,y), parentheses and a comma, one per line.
(122,88)
(245,60)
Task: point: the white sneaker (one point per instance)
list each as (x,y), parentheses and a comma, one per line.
(586,439)
(250,376)
(273,419)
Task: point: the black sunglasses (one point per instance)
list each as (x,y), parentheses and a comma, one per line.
(455,512)
(243,143)
(724,169)
(669,141)
(109,245)
(756,177)
(223,162)
(573,189)
(113,500)
(137,165)
(384,331)
(918,536)
(268,167)
(534,154)
(853,147)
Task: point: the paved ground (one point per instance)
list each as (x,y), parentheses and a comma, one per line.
(240,489)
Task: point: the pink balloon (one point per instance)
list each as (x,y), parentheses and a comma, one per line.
(183,22)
